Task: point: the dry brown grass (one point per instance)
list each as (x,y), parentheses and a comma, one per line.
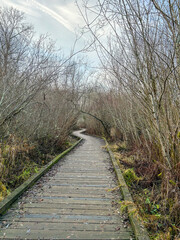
(155,194)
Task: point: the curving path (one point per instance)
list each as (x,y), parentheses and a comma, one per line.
(74,200)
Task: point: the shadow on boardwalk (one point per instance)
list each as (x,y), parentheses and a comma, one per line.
(72,201)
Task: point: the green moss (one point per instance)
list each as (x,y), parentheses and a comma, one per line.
(27,172)
(68,144)
(5,151)
(178,135)
(3,191)
(130,176)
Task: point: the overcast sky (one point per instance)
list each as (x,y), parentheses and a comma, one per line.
(60,18)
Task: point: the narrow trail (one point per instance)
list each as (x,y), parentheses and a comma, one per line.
(74,200)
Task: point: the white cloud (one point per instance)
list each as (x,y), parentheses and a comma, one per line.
(59,18)
(64,12)
(54,15)
(22,6)
(70,14)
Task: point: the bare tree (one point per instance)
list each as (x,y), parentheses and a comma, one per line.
(141,55)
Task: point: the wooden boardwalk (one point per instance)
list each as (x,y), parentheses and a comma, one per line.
(74,200)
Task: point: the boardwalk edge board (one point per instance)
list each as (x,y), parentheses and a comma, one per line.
(135,219)
(7,202)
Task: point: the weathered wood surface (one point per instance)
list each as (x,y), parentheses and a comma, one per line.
(74,200)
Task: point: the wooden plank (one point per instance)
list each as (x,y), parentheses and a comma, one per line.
(84,176)
(50,205)
(79,194)
(83,171)
(75,226)
(67,219)
(75,196)
(64,218)
(73,189)
(93,175)
(74,181)
(85,200)
(81,184)
(68,211)
(85,164)
(56,234)
(57,190)
(84,188)
(84,168)
(79,178)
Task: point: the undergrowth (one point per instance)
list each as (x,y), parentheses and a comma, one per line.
(20,159)
(156,194)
